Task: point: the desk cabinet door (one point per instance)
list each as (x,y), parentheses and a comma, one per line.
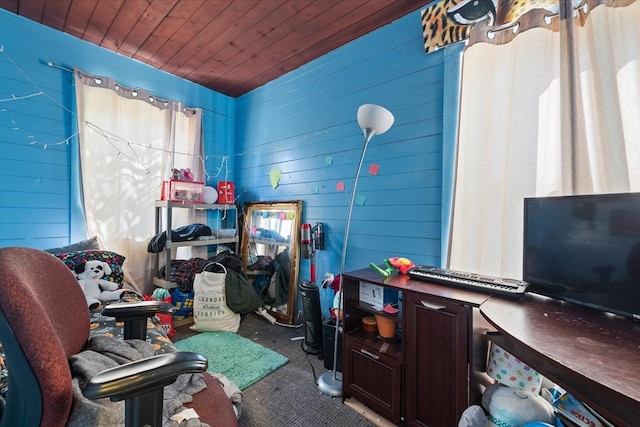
(436,360)
(373,378)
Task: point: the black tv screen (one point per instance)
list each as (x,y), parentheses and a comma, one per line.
(585,250)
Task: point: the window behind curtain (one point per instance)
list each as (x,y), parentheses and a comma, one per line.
(129,141)
(512,135)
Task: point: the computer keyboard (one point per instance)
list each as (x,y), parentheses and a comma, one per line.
(481,283)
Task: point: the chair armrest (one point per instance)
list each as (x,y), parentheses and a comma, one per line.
(143,376)
(124,311)
(135,314)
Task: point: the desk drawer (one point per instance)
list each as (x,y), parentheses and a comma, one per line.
(373,378)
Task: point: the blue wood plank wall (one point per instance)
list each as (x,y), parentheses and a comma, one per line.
(35,124)
(304,124)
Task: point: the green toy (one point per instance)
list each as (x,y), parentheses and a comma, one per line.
(401,264)
(386,272)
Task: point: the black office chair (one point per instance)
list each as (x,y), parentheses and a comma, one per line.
(44,320)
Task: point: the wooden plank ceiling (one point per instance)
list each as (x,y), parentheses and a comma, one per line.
(230,46)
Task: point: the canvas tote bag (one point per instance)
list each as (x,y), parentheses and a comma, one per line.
(210,311)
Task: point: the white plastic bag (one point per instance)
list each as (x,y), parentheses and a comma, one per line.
(210,311)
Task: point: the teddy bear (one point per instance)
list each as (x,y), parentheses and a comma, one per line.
(186,175)
(96,290)
(175,174)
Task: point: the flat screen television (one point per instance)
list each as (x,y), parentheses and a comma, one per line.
(585,249)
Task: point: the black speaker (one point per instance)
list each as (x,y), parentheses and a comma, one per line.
(310,295)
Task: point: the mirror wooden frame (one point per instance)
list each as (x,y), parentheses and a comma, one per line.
(274,211)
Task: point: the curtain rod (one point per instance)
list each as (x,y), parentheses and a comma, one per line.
(53,64)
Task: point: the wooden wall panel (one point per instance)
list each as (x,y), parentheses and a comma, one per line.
(35,186)
(304,123)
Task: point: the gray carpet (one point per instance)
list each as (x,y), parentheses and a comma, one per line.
(288,396)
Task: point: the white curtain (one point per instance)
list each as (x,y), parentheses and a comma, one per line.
(129,142)
(513,137)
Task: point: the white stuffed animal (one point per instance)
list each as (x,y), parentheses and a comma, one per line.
(95,288)
(508,406)
(512,406)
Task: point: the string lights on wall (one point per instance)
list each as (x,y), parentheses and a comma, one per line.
(219,165)
(121,146)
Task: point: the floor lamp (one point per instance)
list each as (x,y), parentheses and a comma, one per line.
(373,120)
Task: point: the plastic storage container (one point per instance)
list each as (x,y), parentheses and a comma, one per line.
(182,191)
(226,193)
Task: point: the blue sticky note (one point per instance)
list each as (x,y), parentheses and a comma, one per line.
(328,161)
(360,200)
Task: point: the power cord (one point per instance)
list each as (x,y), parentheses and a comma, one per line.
(288,326)
(313,369)
(264,313)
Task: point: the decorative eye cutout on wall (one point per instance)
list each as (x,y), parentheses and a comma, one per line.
(452,21)
(473,12)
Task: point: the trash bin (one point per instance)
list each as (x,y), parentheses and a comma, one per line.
(329,329)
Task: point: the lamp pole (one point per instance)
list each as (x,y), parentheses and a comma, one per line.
(373,120)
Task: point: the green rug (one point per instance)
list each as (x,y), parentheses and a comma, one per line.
(241,360)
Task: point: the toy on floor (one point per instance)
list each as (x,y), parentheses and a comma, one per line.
(519,397)
(512,406)
(508,406)
(96,290)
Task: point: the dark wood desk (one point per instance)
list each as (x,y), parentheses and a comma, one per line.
(593,355)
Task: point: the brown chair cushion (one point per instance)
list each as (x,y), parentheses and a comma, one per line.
(40,289)
(213,406)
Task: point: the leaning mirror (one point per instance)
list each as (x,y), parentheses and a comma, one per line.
(270,247)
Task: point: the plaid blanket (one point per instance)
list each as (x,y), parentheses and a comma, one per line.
(183,271)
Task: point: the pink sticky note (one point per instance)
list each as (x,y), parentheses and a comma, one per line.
(340,186)
(373,169)
(283,216)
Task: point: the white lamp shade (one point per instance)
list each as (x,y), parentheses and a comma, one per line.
(374,118)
